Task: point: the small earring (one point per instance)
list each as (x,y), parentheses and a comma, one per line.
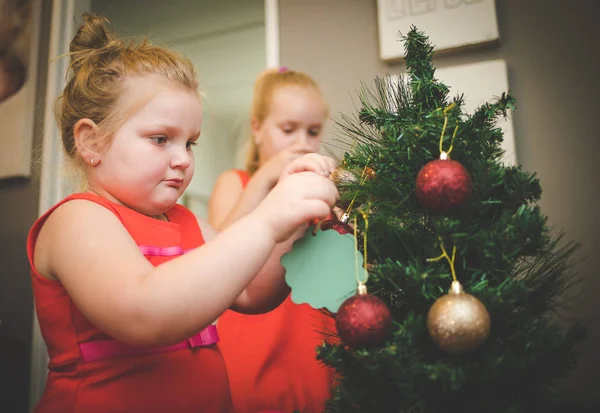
(92,162)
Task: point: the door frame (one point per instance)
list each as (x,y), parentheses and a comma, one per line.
(52,189)
(272,32)
(51,186)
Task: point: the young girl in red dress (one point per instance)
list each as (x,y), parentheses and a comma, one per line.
(271,358)
(128,283)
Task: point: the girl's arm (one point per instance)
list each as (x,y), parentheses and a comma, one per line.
(268,289)
(230,201)
(88,250)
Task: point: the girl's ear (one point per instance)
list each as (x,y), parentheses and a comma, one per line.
(85,134)
(255,127)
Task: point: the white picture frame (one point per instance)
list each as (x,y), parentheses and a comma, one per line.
(479,83)
(482,82)
(449,24)
(17,110)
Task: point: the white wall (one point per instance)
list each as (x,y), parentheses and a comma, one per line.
(225,39)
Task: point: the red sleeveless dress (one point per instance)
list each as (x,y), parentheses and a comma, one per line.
(191,379)
(271,358)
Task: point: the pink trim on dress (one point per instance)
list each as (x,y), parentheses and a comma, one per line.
(104,349)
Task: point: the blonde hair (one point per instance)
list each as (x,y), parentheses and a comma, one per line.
(100,62)
(268,82)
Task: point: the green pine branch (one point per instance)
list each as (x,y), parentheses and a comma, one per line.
(507,257)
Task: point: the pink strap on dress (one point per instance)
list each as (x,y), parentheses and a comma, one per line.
(104,349)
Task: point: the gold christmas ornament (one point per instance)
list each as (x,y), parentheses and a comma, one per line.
(369,173)
(343,176)
(340,177)
(458,322)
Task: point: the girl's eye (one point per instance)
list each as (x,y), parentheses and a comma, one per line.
(190,144)
(159,140)
(314,132)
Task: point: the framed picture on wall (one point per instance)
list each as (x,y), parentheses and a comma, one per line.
(19,48)
(450,24)
(480,82)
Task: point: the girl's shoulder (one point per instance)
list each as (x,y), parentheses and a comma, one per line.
(244,176)
(232,176)
(231,180)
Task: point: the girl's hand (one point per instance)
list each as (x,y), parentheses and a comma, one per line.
(312,162)
(304,193)
(271,170)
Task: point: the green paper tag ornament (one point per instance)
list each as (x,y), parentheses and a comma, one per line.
(321,269)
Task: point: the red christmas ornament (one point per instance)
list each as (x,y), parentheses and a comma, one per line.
(443,185)
(363,320)
(339,226)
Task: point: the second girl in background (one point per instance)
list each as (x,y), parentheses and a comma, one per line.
(271,358)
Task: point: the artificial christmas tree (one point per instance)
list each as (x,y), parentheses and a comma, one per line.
(447,220)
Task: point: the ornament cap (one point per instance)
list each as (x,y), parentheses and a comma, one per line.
(362,289)
(455,288)
(444,156)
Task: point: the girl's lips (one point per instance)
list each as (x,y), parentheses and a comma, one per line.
(174,182)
